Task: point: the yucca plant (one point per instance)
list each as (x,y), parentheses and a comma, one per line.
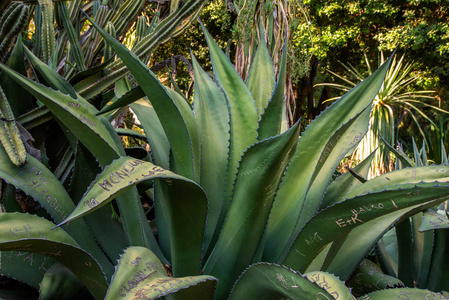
(243,205)
(392,100)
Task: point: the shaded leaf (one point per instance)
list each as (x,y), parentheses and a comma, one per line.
(343,217)
(290,211)
(186,199)
(272,282)
(140,274)
(258,178)
(23,232)
(434,220)
(402,293)
(369,278)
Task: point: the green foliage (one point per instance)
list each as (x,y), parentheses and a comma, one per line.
(230,184)
(394,104)
(343,30)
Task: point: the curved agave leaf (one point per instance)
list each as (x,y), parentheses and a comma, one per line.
(11,88)
(290,210)
(192,127)
(87,127)
(118,102)
(60,283)
(269,281)
(160,150)
(243,112)
(169,115)
(211,112)
(13,264)
(108,231)
(369,278)
(186,199)
(331,284)
(342,141)
(403,176)
(258,178)
(333,222)
(403,293)
(260,80)
(438,279)
(41,184)
(24,232)
(434,220)
(273,118)
(51,76)
(348,251)
(140,274)
(423,243)
(154,132)
(346,182)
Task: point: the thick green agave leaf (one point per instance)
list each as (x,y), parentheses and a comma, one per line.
(60,283)
(260,80)
(369,278)
(140,274)
(346,182)
(186,199)
(329,224)
(259,175)
(403,176)
(192,127)
(401,156)
(402,293)
(169,115)
(24,232)
(87,127)
(387,254)
(13,264)
(434,220)
(290,210)
(273,118)
(338,145)
(272,282)
(211,112)
(160,150)
(331,284)
(40,183)
(126,99)
(130,133)
(154,132)
(56,81)
(121,88)
(243,115)
(438,279)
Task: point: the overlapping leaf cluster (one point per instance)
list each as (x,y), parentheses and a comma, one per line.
(243,205)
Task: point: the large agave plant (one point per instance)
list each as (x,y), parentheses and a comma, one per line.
(243,205)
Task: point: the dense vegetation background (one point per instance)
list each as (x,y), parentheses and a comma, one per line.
(324,35)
